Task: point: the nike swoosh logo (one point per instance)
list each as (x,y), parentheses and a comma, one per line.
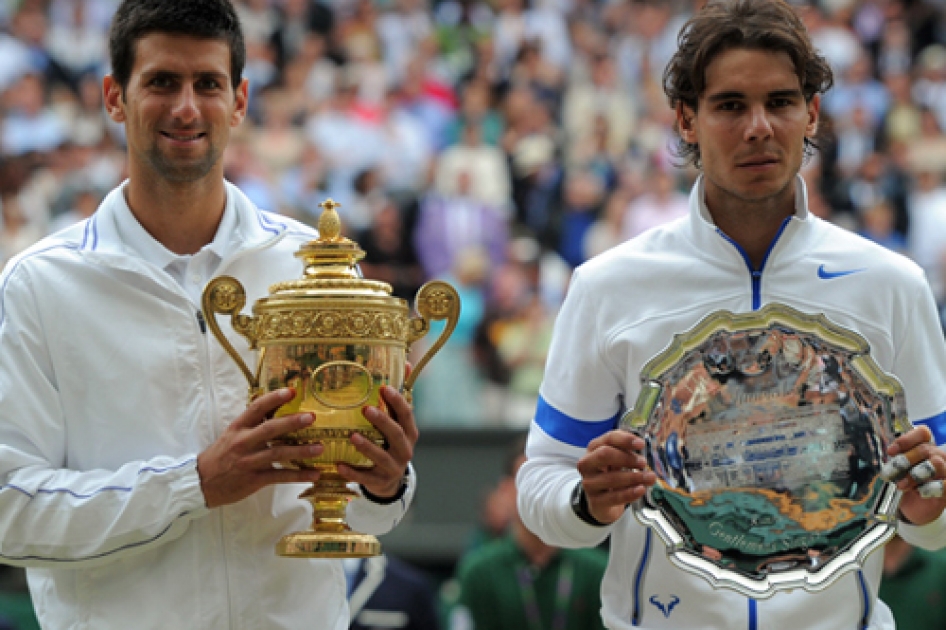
(824,274)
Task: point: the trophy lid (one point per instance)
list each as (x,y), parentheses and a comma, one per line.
(329,263)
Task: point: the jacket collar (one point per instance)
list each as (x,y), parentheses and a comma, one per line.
(708,238)
(253,227)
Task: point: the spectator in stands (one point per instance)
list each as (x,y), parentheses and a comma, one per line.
(603,102)
(521,24)
(77,44)
(16,231)
(914,586)
(403,29)
(30,125)
(277,144)
(929,89)
(390,255)
(582,198)
(298,22)
(476,108)
(858,88)
(304,186)
(926,240)
(521,583)
(523,345)
(878,223)
(661,202)
(85,201)
(407,156)
(483,164)
(451,223)
(902,123)
(608,230)
(347,136)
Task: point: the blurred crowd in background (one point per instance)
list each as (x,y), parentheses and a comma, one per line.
(493,143)
(496,144)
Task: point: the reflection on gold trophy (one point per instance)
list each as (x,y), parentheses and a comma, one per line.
(335,338)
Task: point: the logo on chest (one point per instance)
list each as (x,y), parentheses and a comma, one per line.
(666,607)
(824,274)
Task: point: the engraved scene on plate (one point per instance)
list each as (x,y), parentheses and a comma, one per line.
(767,433)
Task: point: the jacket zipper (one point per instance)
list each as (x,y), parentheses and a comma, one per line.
(202,322)
(756,274)
(756,279)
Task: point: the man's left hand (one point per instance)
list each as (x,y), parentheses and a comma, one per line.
(927,470)
(384,479)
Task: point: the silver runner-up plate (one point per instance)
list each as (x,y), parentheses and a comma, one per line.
(767,432)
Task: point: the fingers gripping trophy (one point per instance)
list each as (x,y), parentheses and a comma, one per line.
(335,339)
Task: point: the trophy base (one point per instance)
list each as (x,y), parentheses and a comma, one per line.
(313,544)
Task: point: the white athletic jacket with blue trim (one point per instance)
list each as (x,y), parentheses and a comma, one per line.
(109,388)
(623,308)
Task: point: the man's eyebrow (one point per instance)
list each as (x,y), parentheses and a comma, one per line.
(736,95)
(201,74)
(211,74)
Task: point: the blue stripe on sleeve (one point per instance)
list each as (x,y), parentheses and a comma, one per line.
(103,554)
(570,430)
(936,424)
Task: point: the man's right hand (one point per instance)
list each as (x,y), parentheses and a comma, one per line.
(241,461)
(614,474)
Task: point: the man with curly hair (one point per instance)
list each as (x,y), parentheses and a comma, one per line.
(746,86)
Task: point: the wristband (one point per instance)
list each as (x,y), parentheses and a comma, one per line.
(580,506)
(387,501)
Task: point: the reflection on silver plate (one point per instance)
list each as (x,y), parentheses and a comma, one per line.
(767,432)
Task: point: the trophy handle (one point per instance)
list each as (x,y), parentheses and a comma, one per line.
(435,301)
(226,295)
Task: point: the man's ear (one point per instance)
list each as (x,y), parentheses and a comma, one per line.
(685,116)
(242,98)
(814,113)
(112,96)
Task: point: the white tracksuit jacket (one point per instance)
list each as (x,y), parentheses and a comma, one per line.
(109,388)
(623,308)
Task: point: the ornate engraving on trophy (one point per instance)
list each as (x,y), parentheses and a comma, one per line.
(334,338)
(341,384)
(227,297)
(373,324)
(439,303)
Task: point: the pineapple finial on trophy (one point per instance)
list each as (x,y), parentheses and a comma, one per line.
(330,225)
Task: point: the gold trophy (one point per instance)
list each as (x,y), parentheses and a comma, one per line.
(335,338)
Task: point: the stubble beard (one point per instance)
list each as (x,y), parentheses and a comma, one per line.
(750,194)
(180,171)
(746,205)
(764,197)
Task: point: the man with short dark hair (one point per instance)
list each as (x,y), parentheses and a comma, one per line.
(136,486)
